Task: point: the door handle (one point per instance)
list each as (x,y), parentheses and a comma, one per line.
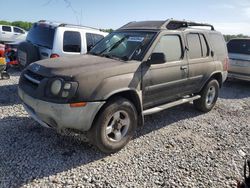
(3,32)
(184,67)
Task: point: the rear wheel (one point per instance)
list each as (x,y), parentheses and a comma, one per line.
(115,126)
(209,96)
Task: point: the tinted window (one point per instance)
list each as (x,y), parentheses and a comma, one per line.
(90,42)
(194,46)
(171,46)
(92,39)
(72,41)
(42,35)
(218,44)
(6,28)
(205,50)
(97,38)
(239,46)
(17,30)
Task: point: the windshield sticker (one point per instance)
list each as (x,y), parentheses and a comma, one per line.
(135,39)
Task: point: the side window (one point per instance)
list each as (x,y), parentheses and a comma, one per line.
(71,41)
(97,38)
(90,42)
(6,28)
(17,30)
(205,50)
(218,44)
(170,46)
(194,46)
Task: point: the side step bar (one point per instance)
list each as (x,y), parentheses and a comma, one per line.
(169,105)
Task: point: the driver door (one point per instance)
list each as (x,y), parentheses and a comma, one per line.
(166,81)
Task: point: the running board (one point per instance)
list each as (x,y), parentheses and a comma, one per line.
(169,105)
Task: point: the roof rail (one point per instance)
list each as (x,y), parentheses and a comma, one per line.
(60,24)
(176,24)
(75,25)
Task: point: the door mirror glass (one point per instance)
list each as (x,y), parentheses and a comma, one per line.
(157,58)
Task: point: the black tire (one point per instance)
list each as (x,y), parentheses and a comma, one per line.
(5,75)
(204,104)
(32,53)
(108,143)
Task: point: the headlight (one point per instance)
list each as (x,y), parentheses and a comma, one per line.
(56,87)
(60,88)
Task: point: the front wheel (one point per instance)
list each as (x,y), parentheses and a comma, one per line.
(114,126)
(209,96)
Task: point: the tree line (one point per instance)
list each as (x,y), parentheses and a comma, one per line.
(25,25)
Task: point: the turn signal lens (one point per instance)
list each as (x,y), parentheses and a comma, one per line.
(78,104)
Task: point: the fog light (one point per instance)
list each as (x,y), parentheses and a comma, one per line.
(65,94)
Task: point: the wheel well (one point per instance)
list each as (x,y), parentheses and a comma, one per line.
(218,77)
(130,95)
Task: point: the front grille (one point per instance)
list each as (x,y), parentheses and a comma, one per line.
(34,75)
(32,79)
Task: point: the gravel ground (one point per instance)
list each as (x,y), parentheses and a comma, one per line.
(179,147)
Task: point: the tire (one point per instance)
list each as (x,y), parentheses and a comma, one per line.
(32,53)
(5,76)
(119,118)
(209,96)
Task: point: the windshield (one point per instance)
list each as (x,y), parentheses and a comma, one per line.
(129,45)
(42,35)
(239,46)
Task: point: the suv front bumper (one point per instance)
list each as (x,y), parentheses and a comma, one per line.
(60,116)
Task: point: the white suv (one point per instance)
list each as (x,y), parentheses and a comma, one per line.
(50,39)
(11,34)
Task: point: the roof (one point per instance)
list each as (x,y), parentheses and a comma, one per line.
(169,24)
(60,24)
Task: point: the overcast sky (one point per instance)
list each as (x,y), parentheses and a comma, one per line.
(228,16)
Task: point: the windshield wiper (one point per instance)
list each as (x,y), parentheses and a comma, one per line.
(115,45)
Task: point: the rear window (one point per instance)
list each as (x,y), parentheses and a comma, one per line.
(6,28)
(71,41)
(218,44)
(239,46)
(42,35)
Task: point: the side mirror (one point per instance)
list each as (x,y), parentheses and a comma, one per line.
(157,58)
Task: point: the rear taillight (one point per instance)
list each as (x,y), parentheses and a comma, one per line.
(225,64)
(54,56)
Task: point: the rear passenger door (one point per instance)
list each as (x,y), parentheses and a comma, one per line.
(199,58)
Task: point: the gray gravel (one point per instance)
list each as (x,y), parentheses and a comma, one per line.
(179,147)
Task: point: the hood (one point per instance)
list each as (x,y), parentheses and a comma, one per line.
(72,66)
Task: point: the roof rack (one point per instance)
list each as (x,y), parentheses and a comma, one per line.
(176,24)
(169,24)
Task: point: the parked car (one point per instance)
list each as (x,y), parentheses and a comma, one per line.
(50,39)
(140,69)
(11,33)
(239,59)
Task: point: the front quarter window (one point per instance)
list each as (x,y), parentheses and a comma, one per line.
(124,45)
